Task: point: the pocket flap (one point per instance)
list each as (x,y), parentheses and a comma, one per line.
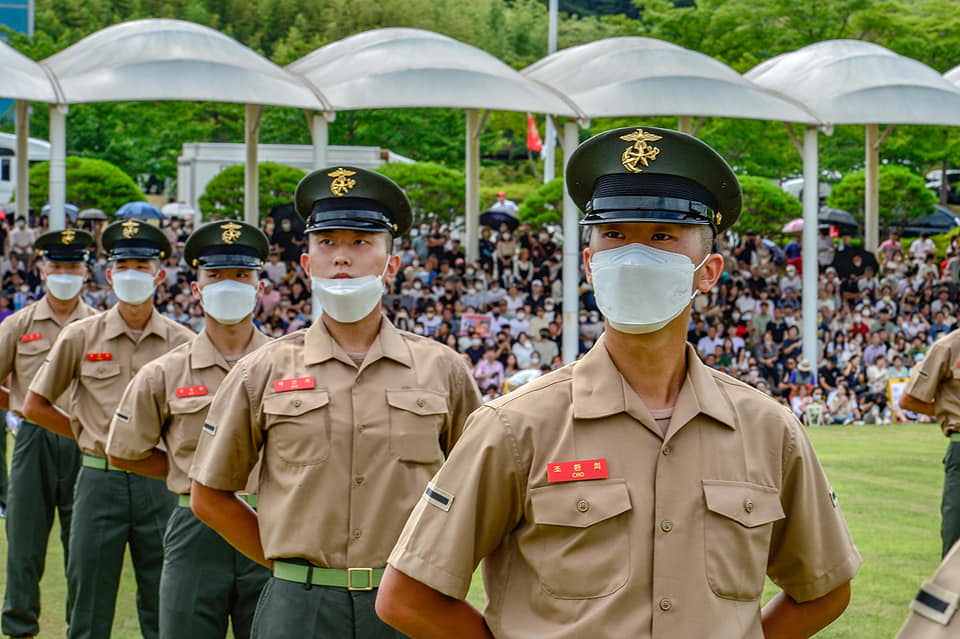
(418,401)
(580,503)
(748,504)
(99,370)
(33,347)
(187,405)
(293,403)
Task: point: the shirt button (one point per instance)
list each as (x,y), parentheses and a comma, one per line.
(666,605)
(420,402)
(583,506)
(296,403)
(748,506)
(358,480)
(360,428)
(666,525)
(356,533)
(667,449)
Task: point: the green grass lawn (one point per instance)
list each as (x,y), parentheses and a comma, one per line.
(888,481)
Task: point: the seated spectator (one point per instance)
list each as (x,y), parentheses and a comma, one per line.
(843,406)
(489,371)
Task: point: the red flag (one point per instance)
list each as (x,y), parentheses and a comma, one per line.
(534,143)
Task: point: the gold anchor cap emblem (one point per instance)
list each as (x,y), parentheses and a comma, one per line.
(641,152)
(130,228)
(66,237)
(231,232)
(342,182)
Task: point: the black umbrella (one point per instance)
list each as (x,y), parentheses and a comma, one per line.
(494,218)
(843,220)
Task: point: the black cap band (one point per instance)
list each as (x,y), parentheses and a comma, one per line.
(135,250)
(66,254)
(214,259)
(361,214)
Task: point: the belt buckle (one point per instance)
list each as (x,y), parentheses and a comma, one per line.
(365,571)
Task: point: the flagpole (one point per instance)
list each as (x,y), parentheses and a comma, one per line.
(550,135)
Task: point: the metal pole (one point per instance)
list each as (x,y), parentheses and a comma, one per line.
(809,252)
(685,123)
(472,221)
(320,135)
(571,256)
(22,126)
(58,166)
(550,134)
(871,205)
(251,176)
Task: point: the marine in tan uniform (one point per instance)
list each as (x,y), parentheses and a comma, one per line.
(90,364)
(44,466)
(352,417)
(934,608)
(934,390)
(637,492)
(205,583)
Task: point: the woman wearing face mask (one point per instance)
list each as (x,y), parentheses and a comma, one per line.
(44,466)
(95,358)
(166,407)
(638,444)
(352,418)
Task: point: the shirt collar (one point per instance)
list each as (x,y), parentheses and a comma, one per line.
(204,354)
(319,346)
(115,325)
(594,396)
(45,311)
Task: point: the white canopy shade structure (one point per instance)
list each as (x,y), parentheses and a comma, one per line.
(953,75)
(161,59)
(622,77)
(399,67)
(25,81)
(854,82)
(635,76)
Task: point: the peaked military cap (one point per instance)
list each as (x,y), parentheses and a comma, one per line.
(347,197)
(135,240)
(646,174)
(68,246)
(226,244)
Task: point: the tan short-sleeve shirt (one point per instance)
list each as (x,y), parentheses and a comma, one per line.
(346,451)
(937,379)
(650,535)
(95,358)
(168,401)
(25,339)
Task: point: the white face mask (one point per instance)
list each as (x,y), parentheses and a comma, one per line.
(64,287)
(641,289)
(348,300)
(229,301)
(133,287)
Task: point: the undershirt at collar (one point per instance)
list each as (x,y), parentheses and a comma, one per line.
(662,417)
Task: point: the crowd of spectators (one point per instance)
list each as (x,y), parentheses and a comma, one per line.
(876,313)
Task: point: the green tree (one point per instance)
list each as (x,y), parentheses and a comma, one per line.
(902,195)
(90,184)
(435,192)
(766,207)
(224,193)
(544,206)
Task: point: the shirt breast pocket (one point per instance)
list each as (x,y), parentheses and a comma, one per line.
(416,419)
(298,426)
(29,350)
(582,545)
(194,410)
(738,528)
(98,378)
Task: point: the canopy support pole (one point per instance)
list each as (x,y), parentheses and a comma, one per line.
(319,124)
(571,254)
(472,220)
(22,126)
(685,124)
(809,250)
(58,166)
(251,175)
(871,196)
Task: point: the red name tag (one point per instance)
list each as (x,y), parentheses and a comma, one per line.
(30,337)
(99,357)
(191,391)
(299,383)
(577,470)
